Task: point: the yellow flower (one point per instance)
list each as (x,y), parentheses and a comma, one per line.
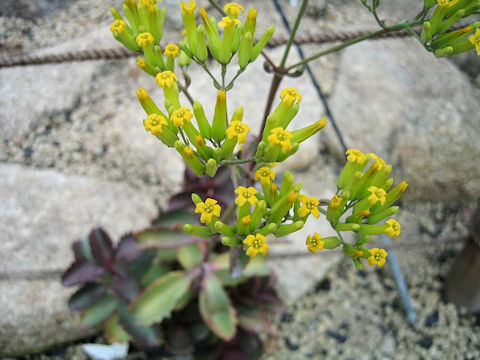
(377,257)
(292,196)
(155,123)
(475,40)
(199,141)
(171,50)
(233,9)
(181,116)
(190,8)
(256,244)
(377,194)
(394,230)
(208,209)
(355,155)
(446,3)
(265,175)
(281,137)
(142,64)
(379,162)
(188,151)
(246,220)
(118,26)
(309,206)
(314,243)
(246,195)
(166,79)
(142,94)
(239,130)
(228,22)
(144,39)
(290,95)
(335,202)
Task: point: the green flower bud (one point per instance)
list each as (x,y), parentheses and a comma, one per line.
(257,49)
(224,229)
(157,21)
(228,147)
(219,125)
(195,230)
(260,149)
(346,227)
(282,156)
(196,199)
(379,216)
(212,34)
(202,46)
(287,183)
(131,17)
(203,124)
(190,158)
(283,230)
(426,31)
(185,48)
(307,132)
(331,242)
(237,37)
(116,15)
(183,59)
(257,215)
(211,167)
(371,229)
(188,18)
(148,104)
(445,25)
(230,241)
(267,229)
(245,50)
(251,22)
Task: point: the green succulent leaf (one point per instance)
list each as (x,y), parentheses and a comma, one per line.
(160,298)
(190,256)
(216,309)
(143,335)
(100,311)
(160,237)
(115,333)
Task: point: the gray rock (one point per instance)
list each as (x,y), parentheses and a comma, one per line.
(416,111)
(41,213)
(34,316)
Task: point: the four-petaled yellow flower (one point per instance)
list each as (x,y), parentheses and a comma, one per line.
(246,195)
(309,206)
(145,38)
(190,8)
(377,194)
(314,243)
(233,9)
(281,137)
(377,257)
(265,175)
(475,40)
(171,50)
(166,79)
(228,22)
(256,244)
(208,209)
(335,202)
(118,26)
(446,3)
(239,130)
(355,155)
(379,162)
(290,95)
(181,116)
(394,230)
(155,124)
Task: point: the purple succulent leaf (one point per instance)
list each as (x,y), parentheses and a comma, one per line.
(102,246)
(81,272)
(126,287)
(85,296)
(82,251)
(128,249)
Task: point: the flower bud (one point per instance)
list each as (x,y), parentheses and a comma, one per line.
(283,230)
(267,229)
(230,241)
(245,50)
(211,167)
(190,158)
(224,229)
(257,215)
(195,230)
(203,124)
(257,49)
(219,125)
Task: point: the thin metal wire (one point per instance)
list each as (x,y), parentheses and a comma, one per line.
(122,53)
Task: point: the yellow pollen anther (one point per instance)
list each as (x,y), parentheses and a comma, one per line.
(118,26)
(171,50)
(145,39)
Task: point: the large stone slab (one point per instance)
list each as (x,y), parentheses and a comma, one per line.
(418,112)
(41,213)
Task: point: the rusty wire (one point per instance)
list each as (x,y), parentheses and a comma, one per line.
(122,53)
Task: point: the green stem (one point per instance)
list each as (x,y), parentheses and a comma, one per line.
(238,161)
(215,82)
(230,84)
(357,40)
(217,6)
(280,70)
(187,94)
